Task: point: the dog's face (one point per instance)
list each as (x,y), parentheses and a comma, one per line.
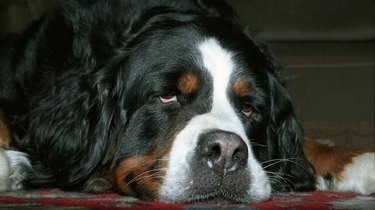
(197,104)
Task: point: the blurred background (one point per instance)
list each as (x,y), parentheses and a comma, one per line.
(328,44)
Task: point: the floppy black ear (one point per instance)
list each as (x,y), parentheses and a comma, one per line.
(70,133)
(291,169)
(288,167)
(75,105)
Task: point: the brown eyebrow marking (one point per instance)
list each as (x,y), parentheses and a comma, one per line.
(241,88)
(188,83)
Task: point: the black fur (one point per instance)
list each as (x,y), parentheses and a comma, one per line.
(79,87)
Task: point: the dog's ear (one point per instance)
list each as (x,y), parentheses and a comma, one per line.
(290,170)
(284,138)
(71,133)
(75,105)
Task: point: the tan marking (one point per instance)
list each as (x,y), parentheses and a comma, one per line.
(4,132)
(327,159)
(137,169)
(141,172)
(241,88)
(188,83)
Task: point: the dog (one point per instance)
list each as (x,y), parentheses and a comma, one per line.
(171,101)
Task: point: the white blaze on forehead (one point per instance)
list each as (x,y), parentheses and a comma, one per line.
(219,63)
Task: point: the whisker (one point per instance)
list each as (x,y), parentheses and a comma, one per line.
(280,175)
(147,171)
(150,177)
(275,177)
(252,143)
(276,161)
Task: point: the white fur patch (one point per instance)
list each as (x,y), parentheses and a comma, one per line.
(359,176)
(12,168)
(219,63)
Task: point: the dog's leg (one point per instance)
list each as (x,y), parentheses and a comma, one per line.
(98,183)
(341,169)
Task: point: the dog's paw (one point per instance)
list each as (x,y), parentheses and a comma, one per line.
(13,166)
(359,175)
(97,184)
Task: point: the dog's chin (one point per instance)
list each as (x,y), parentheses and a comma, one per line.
(214,200)
(204,199)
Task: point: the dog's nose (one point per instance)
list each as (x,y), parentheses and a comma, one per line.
(222,151)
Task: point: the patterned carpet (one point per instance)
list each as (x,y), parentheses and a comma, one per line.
(57,199)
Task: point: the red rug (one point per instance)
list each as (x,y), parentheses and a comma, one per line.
(57,199)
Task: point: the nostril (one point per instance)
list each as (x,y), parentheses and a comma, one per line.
(240,154)
(216,151)
(213,155)
(237,154)
(211,149)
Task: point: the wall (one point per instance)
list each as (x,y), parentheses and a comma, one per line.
(329,47)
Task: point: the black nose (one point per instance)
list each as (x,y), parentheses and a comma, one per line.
(223,151)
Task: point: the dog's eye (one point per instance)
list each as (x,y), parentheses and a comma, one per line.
(166,99)
(247,110)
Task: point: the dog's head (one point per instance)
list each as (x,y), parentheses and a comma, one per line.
(180,107)
(206,118)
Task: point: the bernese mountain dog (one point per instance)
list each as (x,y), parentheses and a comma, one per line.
(172,101)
